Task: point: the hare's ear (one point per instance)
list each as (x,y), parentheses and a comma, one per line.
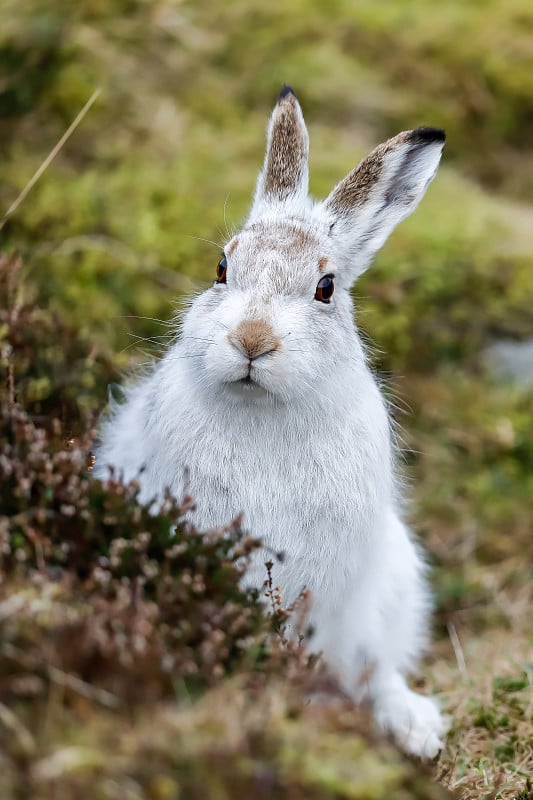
(386,187)
(284,178)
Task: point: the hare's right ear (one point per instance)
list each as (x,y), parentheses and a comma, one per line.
(284,178)
(364,208)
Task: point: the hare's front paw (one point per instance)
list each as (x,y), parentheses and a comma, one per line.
(415,722)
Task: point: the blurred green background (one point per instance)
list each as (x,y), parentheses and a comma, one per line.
(114,233)
(115,230)
(178,134)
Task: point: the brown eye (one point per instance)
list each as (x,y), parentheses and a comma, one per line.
(221,270)
(325,289)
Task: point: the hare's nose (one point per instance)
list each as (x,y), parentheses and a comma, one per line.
(254,338)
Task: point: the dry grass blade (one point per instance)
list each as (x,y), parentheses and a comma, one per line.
(83,688)
(50,157)
(11,722)
(457,649)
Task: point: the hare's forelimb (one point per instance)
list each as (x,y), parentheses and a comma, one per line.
(380,636)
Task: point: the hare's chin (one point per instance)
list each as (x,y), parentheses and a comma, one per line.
(246,388)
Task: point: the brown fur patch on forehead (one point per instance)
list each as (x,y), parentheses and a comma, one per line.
(231,247)
(287,153)
(322,264)
(284,236)
(355,189)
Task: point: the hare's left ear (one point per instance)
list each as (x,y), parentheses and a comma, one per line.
(284,178)
(364,208)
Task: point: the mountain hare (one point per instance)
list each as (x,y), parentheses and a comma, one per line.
(265,405)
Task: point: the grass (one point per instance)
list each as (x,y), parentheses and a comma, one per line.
(113,235)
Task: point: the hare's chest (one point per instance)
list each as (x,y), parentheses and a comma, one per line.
(300,495)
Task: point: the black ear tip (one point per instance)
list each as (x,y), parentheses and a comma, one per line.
(285,91)
(428,135)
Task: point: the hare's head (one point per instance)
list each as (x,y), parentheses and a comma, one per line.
(278,320)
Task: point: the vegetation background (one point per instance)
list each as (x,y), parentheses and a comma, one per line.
(125,222)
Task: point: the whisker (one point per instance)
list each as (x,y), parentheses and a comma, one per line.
(197,339)
(151,319)
(190,356)
(146,355)
(296,338)
(164,336)
(208,241)
(129,347)
(221,232)
(167,338)
(224,213)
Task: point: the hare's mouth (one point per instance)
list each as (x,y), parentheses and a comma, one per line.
(246,387)
(248,384)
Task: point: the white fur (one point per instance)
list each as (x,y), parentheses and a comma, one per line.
(305,451)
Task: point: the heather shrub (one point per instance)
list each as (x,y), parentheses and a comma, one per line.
(125,587)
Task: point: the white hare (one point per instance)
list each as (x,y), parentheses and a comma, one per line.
(265,405)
